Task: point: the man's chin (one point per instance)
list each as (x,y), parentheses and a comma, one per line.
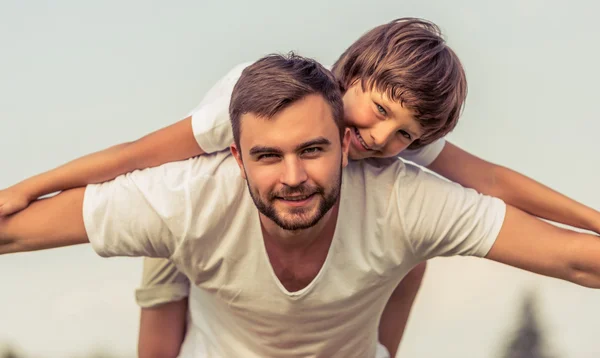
(296,220)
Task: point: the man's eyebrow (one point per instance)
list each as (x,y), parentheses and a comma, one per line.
(316,141)
(261,149)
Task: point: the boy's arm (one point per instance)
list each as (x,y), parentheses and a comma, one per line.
(513,188)
(173,143)
(534,245)
(162,330)
(162,296)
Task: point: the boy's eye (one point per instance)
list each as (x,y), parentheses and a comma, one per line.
(405,134)
(380,109)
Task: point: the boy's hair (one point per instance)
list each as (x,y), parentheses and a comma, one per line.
(274,82)
(408,60)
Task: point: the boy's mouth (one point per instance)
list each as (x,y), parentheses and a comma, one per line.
(360,139)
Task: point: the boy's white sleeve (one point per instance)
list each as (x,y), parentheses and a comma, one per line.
(210,119)
(442,218)
(425,155)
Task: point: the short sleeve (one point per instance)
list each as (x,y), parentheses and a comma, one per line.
(151,212)
(425,155)
(210,119)
(161,283)
(120,221)
(442,218)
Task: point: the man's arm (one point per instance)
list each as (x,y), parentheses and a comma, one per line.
(534,245)
(143,213)
(162,330)
(47,223)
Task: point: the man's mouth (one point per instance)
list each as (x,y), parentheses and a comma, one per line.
(296,197)
(360,139)
(297,200)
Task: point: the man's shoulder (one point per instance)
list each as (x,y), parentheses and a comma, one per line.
(386,176)
(220,163)
(384,170)
(176,180)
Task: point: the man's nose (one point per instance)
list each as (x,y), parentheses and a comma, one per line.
(294,172)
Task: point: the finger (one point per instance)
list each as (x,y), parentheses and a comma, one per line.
(7,209)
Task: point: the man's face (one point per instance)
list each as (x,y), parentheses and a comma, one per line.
(293,162)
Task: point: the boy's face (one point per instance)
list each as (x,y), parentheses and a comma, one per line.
(379,127)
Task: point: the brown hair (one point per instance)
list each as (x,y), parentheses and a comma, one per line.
(408,60)
(276,81)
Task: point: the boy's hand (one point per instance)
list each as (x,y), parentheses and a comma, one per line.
(12,200)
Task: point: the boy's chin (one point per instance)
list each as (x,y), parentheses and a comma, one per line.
(354,154)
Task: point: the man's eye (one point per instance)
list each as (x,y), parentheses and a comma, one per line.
(405,134)
(312,150)
(267,156)
(380,109)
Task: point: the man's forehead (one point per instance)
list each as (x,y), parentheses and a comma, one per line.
(300,122)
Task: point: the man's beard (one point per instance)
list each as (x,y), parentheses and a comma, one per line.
(298,218)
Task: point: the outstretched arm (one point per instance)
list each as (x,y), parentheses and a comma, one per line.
(513,188)
(173,143)
(534,245)
(47,223)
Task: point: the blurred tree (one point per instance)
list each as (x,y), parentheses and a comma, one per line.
(9,352)
(528,340)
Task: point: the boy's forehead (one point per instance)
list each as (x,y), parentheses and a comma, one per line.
(302,121)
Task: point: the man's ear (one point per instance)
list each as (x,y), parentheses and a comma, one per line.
(345,146)
(238,158)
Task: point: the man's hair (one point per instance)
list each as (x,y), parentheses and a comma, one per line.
(408,60)
(274,82)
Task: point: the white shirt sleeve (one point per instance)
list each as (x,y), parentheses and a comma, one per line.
(151,212)
(425,155)
(120,221)
(210,119)
(442,218)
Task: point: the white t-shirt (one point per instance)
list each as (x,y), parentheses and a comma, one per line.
(212,127)
(199,214)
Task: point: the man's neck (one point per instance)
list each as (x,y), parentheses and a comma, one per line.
(297,256)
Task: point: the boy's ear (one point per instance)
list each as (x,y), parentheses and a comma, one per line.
(345,146)
(238,158)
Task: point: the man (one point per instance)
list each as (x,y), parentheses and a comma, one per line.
(310,271)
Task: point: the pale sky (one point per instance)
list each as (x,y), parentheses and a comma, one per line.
(76,77)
